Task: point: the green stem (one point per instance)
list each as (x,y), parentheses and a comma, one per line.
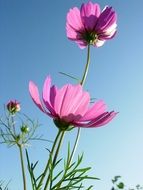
(70,159)
(86,67)
(54,161)
(13,125)
(47,165)
(75,145)
(78,132)
(82,83)
(22,167)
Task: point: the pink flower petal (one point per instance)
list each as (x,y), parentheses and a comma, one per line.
(97,109)
(46,95)
(72,98)
(101,119)
(81,43)
(106,19)
(35,95)
(99,43)
(89,9)
(112,115)
(60,94)
(74,102)
(83,104)
(89,14)
(71,33)
(74,19)
(53,93)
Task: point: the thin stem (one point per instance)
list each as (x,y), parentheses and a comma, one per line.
(82,83)
(86,67)
(75,145)
(78,132)
(70,159)
(47,165)
(22,166)
(54,161)
(13,124)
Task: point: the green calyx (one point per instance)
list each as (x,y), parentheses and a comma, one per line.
(63,125)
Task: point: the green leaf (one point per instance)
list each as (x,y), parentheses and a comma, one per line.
(116,178)
(72,77)
(57,175)
(120,185)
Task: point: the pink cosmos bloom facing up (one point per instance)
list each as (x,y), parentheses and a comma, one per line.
(70,106)
(90,25)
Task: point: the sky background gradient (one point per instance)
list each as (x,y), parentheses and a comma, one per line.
(33,44)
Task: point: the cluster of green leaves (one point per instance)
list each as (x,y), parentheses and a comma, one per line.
(118,184)
(70,178)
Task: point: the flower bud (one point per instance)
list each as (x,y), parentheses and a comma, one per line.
(13,106)
(25,129)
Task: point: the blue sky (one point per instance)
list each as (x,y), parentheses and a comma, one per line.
(33,44)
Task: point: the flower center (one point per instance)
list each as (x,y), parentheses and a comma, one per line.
(90,37)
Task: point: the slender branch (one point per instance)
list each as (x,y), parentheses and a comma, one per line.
(47,165)
(22,166)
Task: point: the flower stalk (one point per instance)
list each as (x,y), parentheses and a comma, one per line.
(54,161)
(86,66)
(22,166)
(48,163)
(82,83)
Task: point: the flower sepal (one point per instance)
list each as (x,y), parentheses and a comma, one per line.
(62,125)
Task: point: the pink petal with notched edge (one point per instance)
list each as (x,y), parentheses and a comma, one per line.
(102,120)
(35,95)
(106,19)
(89,14)
(74,102)
(87,124)
(53,93)
(97,109)
(107,120)
(74,19)
(71,100)
(90,8)
(60,94)
(46,95)
(111,22)
(71,33)
(83,104)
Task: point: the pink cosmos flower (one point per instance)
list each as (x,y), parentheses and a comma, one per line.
(70,106)
(90,25)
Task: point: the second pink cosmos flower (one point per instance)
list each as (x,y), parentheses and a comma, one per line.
(70,105)
(90,25)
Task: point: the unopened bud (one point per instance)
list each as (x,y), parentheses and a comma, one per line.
(13,106)
(24,129)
